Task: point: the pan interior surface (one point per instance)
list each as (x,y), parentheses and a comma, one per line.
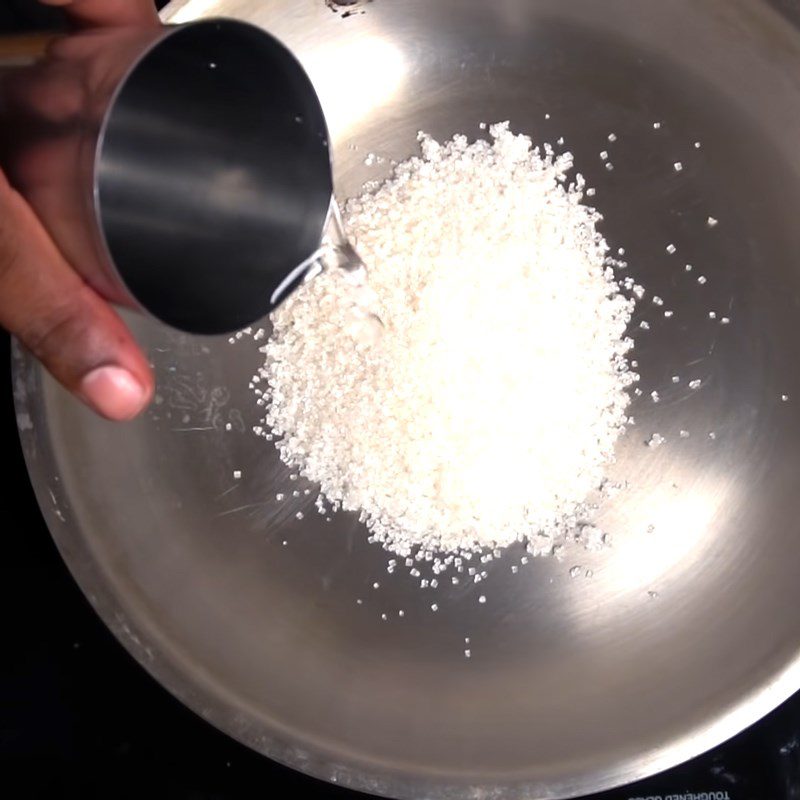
(687,629)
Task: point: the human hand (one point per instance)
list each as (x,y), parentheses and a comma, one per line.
(45,302)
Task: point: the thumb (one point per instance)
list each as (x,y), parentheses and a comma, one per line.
(74,333)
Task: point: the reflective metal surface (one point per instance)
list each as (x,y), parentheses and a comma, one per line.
(688,628)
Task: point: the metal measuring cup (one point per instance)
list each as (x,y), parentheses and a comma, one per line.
(184,171)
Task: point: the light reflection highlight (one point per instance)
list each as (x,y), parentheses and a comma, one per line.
(354,77)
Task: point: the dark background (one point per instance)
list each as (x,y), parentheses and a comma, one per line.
(26,14)
(78,717)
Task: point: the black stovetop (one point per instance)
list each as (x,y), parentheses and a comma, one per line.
(81,719)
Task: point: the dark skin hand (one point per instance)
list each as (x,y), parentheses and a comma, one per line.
(45,302)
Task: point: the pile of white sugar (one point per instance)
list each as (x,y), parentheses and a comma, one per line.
(489,408)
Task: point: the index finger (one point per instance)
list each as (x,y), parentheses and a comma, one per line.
(108,13)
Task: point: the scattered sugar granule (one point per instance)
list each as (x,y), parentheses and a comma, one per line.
(670,248)
(237,474)
(711,222)
(684,434)
(688,267)
(668,314)
(644,325)
(604,155)
(725,321)
(678,166)
(702,279)
(656,125)
(695,384)
(612,137)
(712,314)
(785,398)
(409,429)
(657,300)
(656,440)
(655,397)
(591,537)
(697,145)
(482,598)
(676,378)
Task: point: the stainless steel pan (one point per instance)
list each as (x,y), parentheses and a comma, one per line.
(688,628)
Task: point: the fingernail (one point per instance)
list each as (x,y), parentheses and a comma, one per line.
(113,392)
